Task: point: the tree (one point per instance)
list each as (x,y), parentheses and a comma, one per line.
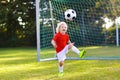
(17,24)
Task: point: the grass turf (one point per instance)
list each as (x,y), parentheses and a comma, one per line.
(21,64)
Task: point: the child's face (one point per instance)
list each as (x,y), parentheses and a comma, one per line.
(63,29)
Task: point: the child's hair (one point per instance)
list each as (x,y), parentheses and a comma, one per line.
(58,26)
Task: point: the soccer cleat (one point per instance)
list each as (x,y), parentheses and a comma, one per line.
(60,74)
(82,53)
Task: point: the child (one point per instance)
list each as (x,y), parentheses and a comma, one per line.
(62,44)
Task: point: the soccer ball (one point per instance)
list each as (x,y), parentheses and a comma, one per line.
(70,14)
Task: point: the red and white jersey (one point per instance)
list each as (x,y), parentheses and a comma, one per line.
(61,41)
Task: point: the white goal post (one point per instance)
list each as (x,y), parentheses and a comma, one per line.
(38,29)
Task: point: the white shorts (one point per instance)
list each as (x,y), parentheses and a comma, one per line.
(62,54)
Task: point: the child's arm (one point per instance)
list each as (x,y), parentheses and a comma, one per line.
(69,42)
(53,43)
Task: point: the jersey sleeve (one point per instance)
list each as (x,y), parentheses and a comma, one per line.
(54,37)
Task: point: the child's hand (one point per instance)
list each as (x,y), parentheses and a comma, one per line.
(55,46)
(72,43)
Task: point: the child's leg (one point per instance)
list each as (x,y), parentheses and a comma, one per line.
(61,63)
(61,57)
(74,49)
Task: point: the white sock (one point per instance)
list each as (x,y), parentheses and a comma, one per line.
(60,68)
(76,50)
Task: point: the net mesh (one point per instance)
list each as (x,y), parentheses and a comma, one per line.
(93,26)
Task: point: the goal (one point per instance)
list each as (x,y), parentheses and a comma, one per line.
(96,24)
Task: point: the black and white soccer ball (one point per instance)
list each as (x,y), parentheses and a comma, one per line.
(70,14)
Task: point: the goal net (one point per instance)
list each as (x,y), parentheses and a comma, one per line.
(96,25)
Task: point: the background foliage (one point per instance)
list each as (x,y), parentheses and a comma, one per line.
(17,23)
(18,26)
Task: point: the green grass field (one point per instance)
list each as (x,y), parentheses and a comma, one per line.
(21,64)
